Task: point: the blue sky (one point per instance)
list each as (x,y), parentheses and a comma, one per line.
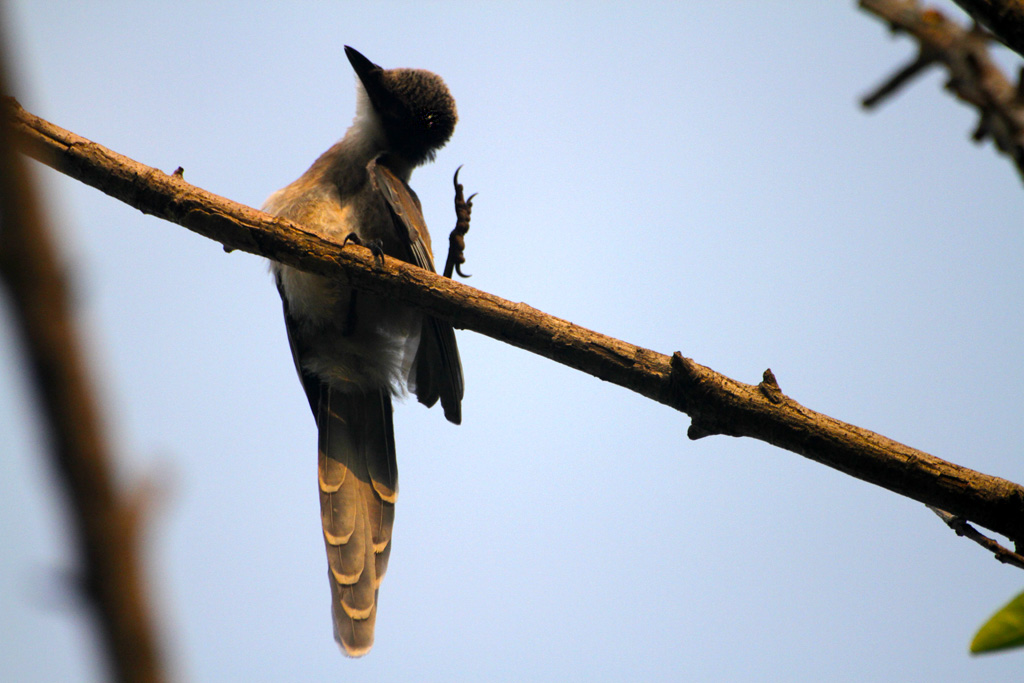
(685,176)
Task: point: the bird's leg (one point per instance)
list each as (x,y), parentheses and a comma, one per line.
(456,240)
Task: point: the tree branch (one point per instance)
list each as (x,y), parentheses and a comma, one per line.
(973,76)
(106,523)
(716,403)
(962,528)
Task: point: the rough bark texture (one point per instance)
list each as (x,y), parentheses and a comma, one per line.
(716,403)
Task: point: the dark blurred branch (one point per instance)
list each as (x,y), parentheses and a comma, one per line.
(1005,18)
(716,403)
(898,80)
(973,76)
(105,525)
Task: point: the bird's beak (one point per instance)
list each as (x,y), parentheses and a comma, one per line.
(368,72)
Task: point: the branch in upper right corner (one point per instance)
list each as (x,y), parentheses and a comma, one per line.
(973,76)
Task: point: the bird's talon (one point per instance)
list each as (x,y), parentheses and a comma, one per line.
(377,249)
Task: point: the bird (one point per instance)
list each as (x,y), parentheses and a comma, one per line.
(354,351)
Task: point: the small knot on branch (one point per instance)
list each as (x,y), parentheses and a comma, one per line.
(686,386)
(769,387)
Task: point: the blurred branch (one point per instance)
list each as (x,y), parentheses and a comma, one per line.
(715,403)
(973,76)
(106,524)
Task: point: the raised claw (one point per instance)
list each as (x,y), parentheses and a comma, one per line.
(456,240)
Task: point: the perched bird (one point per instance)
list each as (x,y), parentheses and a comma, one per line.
(354,350)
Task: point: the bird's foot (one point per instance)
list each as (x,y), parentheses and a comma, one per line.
(456,240)
(375,246)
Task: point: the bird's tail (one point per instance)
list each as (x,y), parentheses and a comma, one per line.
(358,486)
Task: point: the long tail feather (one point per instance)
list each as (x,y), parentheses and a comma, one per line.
(358,478)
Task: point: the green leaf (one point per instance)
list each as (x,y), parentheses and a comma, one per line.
(1005,629)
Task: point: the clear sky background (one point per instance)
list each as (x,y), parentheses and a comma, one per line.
(684,176)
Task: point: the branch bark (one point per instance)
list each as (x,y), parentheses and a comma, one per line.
(106,523)
(716,403)
(973,77)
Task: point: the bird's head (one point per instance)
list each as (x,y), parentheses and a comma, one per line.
(414,107)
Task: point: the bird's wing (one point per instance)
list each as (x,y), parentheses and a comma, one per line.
(310,382)
(438,372)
